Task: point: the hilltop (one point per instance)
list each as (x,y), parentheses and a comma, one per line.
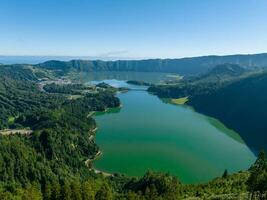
(183,66)
(230,93)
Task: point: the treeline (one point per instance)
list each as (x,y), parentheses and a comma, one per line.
(152,186)
(230,94)
(219,76)
(74,89)
(54,161)
(18,72)
(19,94)
(143,83)
(240,106)
(58,147)
(60,143)
(183,66)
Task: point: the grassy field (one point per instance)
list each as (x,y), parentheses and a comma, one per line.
(179,101)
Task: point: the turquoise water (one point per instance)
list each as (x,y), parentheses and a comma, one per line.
(147,133)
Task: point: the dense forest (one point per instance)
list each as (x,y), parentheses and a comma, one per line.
(183,66)
(143,83)
(241,106)
(217,77)
(231,94)
(47,148)
(59,143)
(75,89)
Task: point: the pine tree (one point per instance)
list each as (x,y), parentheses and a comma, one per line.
(76,190)
(32,192)
(225,174)
(104,193)
(56,189)
(258,177)
(153,192)
(66,191)
(87,191)
(47,191)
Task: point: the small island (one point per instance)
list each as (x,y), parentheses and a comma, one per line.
(140,83)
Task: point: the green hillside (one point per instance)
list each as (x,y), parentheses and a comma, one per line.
(231,94)
(45,137)
(241,106)
(183,66)
(47,147)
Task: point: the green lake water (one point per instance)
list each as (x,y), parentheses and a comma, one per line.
(148,134)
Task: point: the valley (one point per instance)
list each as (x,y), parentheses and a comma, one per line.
(109,132)
(170,138)
(133,100)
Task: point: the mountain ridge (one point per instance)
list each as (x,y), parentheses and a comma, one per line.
(183,66)
(237,99)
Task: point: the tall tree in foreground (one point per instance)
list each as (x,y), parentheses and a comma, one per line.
(104,193)
(257,182)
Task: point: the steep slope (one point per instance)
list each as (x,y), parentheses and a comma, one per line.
(231,94)
(241,106)
(183,66)
(222,72)
(215,78)
(228,69)
(50,162)
(60,137)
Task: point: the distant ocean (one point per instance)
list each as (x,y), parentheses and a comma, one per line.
(40,59)
(34,59)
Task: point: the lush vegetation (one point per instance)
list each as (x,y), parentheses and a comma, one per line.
(230,94)
(133,82)
(241,106)
(183,66)
(111,89)
(74,89)
(54,161)
(19,94)
(155,186)
(60,144)
(217,77)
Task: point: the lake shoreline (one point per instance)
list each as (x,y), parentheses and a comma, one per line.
(135,135)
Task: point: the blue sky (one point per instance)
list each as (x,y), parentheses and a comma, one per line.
(132,28)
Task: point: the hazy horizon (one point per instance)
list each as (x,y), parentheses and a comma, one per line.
(28,59)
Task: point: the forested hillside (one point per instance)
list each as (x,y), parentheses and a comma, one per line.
(45,137)
(18,91)
(215,78)
(183,66)
(231,94)
(47,148)
(241,106)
